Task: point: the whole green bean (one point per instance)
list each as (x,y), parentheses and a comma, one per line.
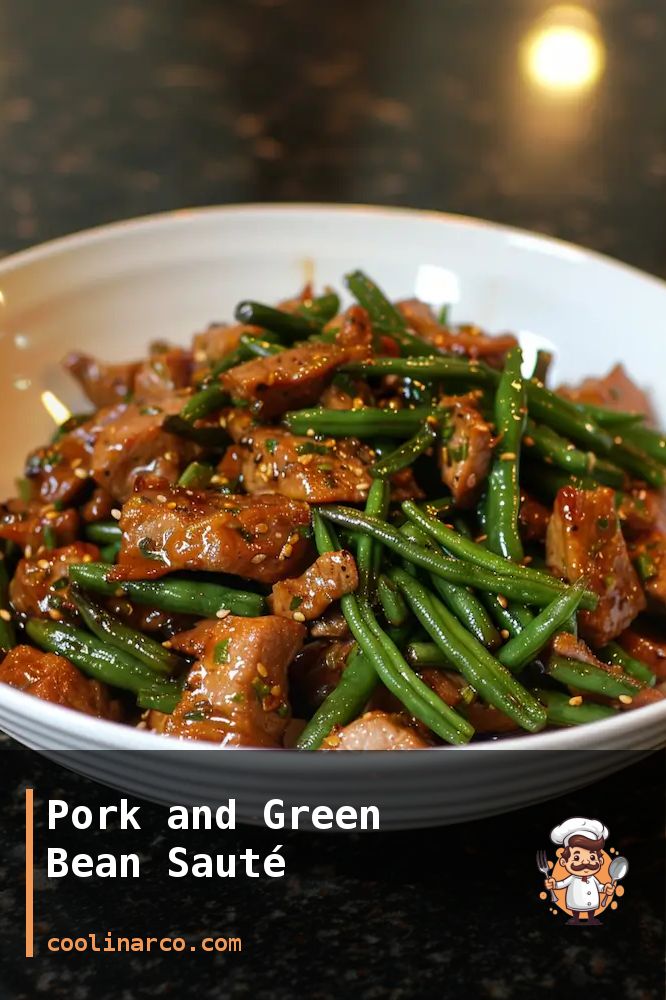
(197,476)
(407,452)
(364,422)
(345,702)
(293,326)
(206,401)
(532,639)
(559,712)
(368,551)
(172,593)
(544,441)
(587,677)
(395,610)
(385,317)
(527,591)
(103,532)
(111,629)
(615,654)
(391,667)
(503,493)
(479,668)
(465,605)
(465,548)
(260,346)
(93,657)
(7,632)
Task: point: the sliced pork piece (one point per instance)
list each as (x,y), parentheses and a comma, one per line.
(98,507)
(646,641)
(219,340)
(165,529)
(164,372)
(331,625)
(315,672)
(270,460)
(616,391)
(306,597)
(354,334)
(469,340)
(375,731)
(131,441)
(58,473)
(103,384)
(53,678)
(40,586)
(642,511)
(533,518)
(584,539)
(465,458)
(34,525)
(288,380)
(236,693)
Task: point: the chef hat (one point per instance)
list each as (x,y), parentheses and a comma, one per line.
(577,826)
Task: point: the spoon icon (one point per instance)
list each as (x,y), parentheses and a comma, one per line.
(617,869)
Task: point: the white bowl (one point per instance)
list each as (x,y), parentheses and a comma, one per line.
(113,289)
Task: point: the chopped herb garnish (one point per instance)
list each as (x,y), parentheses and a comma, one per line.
(50,537)
(221,652)
(271,445)
(295,603)
(147,549)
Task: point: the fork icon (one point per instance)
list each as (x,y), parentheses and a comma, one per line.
(542,865)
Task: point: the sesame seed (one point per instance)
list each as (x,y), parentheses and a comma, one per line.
(305,459)
(80,473)
(116,514)
(261,670)
(529,441)
(310,432)
(222,613)
(161,498)
(199,356)
(43,563)
(27,552)
(259,558)
(505,633)
(626,699)
(332,740)
(576,701)
(299,616)
(172,505)
(51,515)
(293,538)
(55,615)
(223,421)
(171,456)
(5,615)
(276,690)
(75,463)
(167,644)
(261,528)
(286,551)
(87,558)
(508,456)
(502,601)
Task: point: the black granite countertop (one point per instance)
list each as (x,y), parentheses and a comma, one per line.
(116,108)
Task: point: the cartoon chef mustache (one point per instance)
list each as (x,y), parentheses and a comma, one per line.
(592,865)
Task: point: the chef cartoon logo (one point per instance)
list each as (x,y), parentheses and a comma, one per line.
(583,881)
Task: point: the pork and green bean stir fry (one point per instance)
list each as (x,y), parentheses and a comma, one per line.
(340,529)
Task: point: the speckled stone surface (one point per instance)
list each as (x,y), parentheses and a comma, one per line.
(116,108)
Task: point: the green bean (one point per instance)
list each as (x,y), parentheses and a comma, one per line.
(368,552)
(544,360)
(465,548)
(364,422)
(159,699)
(206,401)
(560,713)
(103,532)
(181,595)
(407,452)
(321,309)
(197,476)
(290,325)
(260,346)
(503,495)
(551,446)
(112,630)
(465,605)
(652,442)
(209,436)
(395,610)
(527,591)
(93,657)
(426,654)
(437,508)
(524,647)
(7,632)
(391,667)
(229,361)
(638,463)
(345,702)
(615,654)
(430,368)
(612,419)
(479,668)
(109,553)
(587,677)
(385,317)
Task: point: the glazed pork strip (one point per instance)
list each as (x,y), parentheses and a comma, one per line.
(166,528)
(53,678)
(584,539)
(306,597)
(164,371)
(375,731)
(40,585)
(236,694)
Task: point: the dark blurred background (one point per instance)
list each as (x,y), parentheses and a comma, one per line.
(504,109)
(115,109)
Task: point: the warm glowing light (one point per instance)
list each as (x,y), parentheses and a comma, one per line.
(564,51)
(55,408)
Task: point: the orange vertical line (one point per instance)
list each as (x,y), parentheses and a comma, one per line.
(29,874)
